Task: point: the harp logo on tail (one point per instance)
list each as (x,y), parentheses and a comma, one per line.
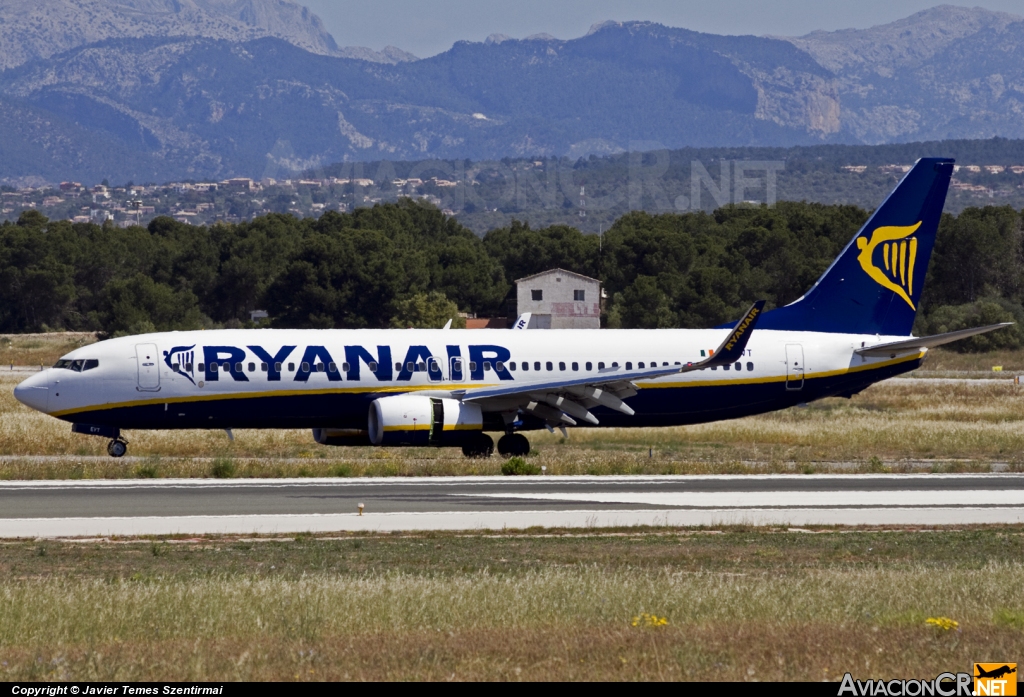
(895,248)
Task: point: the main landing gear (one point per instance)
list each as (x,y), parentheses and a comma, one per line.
(117,447)
(513,445)
(482,445)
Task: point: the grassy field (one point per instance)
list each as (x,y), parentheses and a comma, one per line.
(730,604)
(40,349)
(895,426)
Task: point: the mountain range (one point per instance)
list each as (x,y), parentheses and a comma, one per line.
(168,89)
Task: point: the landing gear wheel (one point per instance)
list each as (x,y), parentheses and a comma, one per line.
(513,445)
(117,448)
(482,445)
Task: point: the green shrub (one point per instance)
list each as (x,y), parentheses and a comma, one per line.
(517,466)
(223,468)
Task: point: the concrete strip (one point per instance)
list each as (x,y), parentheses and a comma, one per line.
(788,499)
(498,520)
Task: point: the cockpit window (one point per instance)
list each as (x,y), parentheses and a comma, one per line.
(77,366)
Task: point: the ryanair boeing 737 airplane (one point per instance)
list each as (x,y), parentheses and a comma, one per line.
(438,387)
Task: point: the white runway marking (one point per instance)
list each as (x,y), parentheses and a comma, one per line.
(497,520)
(787,499)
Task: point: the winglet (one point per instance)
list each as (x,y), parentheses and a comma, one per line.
(736,343)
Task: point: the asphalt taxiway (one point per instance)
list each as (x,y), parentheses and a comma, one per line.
(207,506)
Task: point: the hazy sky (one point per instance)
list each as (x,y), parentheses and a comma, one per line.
(427,28)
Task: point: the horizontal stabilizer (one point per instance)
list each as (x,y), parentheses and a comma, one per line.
(918,343)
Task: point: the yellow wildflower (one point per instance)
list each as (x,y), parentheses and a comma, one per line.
(943,623)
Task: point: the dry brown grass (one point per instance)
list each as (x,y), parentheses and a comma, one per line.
(569,623)
(40,349)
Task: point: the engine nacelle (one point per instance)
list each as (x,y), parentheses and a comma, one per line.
(410,419)
(341,436)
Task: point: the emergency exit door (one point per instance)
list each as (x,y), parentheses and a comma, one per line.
(794,367)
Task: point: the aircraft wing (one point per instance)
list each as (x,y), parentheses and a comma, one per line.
(558,401)
(918,343)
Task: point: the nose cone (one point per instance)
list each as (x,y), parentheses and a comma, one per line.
(33,392)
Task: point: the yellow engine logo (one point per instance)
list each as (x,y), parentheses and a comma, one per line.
(898,251)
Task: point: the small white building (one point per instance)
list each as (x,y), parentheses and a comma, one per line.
(560,299)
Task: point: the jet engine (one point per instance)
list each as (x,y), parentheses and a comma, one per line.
(416,420)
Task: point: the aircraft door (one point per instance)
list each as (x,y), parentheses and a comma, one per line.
(149,367)
(794,367)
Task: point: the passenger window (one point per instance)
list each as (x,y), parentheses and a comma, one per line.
(175,367)
(345,367)
(499,366)
(615,365)
(277,367)
(371,365)
(214,367)
(629,366)
(421,367)
(472,366)
(561,366)
(410,367)
(726,366)
(291,367)
(600,365)
(714,367)
(398,367)
(487,365)
(526,366)
(575,366)
(750,366)
(590,366)
(550,366)
(739,366)
(332,367)
(188,366)
(227,367)
(252,367)
(202,367)
(305,367)
(640,365)
(536,365)
(512,365)
(264,367)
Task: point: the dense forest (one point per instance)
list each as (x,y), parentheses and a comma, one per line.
(406,264)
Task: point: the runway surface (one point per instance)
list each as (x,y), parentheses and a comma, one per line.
(158,507)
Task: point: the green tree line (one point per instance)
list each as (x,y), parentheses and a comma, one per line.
(406,264)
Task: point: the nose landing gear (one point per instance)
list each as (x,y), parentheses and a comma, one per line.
(117,447)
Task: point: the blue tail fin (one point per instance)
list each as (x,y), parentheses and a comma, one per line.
(873,287)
